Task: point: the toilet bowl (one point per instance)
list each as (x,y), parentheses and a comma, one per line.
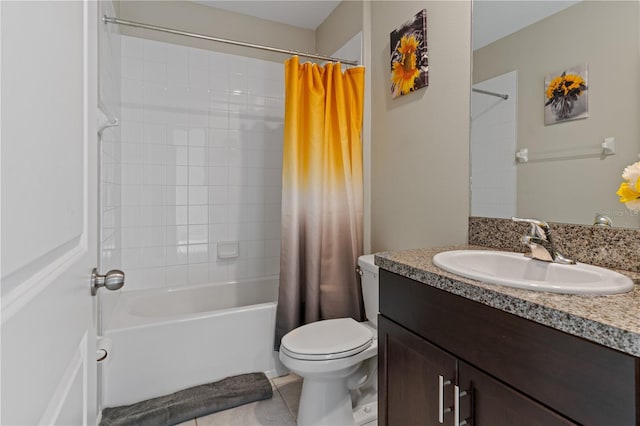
(336,359)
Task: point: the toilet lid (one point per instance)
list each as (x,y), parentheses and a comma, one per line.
(327,339)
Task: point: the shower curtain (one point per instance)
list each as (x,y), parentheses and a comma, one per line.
(322,201)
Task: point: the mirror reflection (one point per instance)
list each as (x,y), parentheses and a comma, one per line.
(563,173)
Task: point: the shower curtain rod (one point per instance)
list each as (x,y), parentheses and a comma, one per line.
(110,20)
(486,92)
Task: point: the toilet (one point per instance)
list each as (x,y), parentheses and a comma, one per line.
(337,361)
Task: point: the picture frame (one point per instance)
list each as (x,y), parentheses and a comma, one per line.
(409,56)
(566,95)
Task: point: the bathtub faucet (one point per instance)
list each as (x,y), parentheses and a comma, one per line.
(540,243)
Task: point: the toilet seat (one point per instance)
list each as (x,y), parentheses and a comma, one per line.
(327,340)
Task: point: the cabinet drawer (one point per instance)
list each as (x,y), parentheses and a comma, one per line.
(584,381)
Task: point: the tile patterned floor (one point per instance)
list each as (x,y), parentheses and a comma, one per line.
(281,410)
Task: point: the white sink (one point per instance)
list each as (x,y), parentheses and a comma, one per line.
(517,270)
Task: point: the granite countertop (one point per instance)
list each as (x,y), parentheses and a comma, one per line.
(612,320)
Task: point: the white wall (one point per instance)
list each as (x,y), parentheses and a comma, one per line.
(201,164)
(493,148)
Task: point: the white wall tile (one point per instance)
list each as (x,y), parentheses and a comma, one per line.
(153,195)
(153,277)
(198,77)
(131,195)
(218,213)
(218,195)
(198,195)
(132,47)
(218,176)
(155,72)
(177,255)
(176,276)
(177,72)
(199,253)
(154,133)
(153,257)
(493,135)
(178,155)
(177,175)
(130,216)
(155,51)
(177,215)
(153,236)
(153,215)
(153,174)
(198,215)
(219,119)
(131,258)
(177,195)
(177,235)
(196,165)
(131,153)
(198,273)
(198,234)
(154,154)
(131,131)
(197,136)
(198,175)
(132,68)
(198,156)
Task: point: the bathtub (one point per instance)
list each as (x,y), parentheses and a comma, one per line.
(165,340)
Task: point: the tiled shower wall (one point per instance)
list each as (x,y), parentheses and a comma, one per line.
(109,69)
(201,164)
(493,148)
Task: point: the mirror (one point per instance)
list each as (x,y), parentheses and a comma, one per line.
(567,178)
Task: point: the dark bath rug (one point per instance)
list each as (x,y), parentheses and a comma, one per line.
(190,403)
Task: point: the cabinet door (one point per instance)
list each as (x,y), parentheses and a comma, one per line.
(489,402)
(409,369)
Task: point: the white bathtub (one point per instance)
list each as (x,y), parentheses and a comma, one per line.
(165,340)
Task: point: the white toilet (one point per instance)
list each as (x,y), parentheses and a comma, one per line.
(337,360)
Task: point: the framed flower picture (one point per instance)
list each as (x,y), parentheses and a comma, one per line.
(409,59)
(565,95)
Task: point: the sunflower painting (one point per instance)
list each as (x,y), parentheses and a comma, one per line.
(409,60)
(565,95)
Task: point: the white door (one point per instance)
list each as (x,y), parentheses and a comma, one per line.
(49,214)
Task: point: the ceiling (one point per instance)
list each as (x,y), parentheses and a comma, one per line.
(492,19)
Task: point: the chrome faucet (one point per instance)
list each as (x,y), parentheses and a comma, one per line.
(540,243)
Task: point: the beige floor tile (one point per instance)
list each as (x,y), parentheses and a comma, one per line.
(290,392)
(283,380)
(269,412)
(191,422)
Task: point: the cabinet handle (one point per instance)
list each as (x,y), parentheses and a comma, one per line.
(456,406)
(441,384)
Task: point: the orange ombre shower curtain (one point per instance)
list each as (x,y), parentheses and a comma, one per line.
(322,199)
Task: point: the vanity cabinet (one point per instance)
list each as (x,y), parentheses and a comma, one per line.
(508,370)
(416,378)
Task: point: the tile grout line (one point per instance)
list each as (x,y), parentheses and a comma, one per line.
(286,404)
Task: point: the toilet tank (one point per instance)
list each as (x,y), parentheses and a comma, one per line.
(369,286)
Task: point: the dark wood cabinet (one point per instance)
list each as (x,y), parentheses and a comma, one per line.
(510,370)
(417,378)
(490,402)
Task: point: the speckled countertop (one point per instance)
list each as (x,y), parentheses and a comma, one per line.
(612,321)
